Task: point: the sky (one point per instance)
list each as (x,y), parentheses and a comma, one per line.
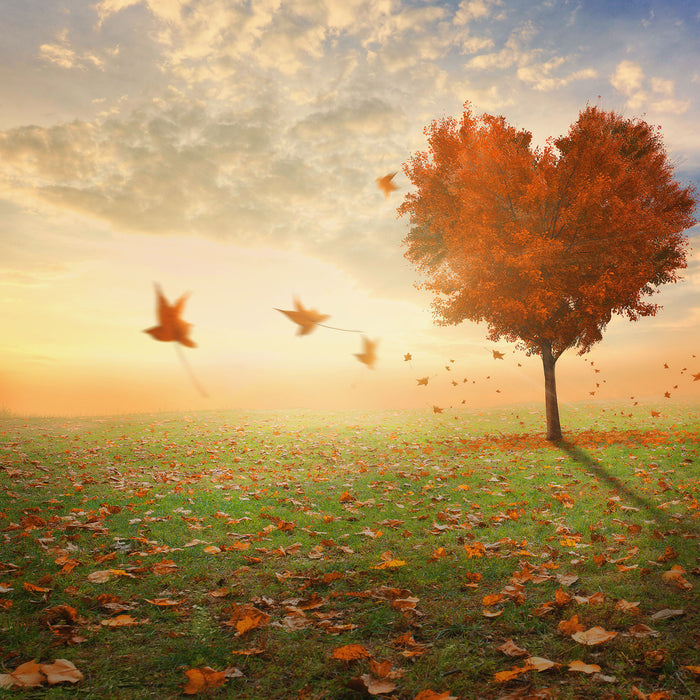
(230,149)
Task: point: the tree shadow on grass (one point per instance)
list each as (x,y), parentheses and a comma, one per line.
(620,488)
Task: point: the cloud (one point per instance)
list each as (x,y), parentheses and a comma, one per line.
(655,93)
(62,54)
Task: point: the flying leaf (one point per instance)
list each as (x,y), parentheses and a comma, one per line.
(368,356)
(437,409)
(407,357)
(497,355)
(306,319)
(423,381)
(386,185)
(170,325)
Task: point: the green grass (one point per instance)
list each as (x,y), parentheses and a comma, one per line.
(294,513)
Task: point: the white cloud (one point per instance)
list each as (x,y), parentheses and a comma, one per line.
(469,10)
(656,94)
(62,54)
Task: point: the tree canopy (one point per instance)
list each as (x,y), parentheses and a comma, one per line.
(545,244)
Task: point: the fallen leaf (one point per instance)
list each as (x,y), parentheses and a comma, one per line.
(351,652)
(579,665)
(61,671)
(595,635)
(510,648)
(369,684)
(202,679)
(26,675)
(431,695)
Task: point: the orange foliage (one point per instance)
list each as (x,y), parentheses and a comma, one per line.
(170,325)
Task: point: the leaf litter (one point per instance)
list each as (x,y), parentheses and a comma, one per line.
(381,542)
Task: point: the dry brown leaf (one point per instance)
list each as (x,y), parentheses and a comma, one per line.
(595,635)
(510,648)
(570,626)
(539,663)
(432,695)
(505,676)
(367,683)
(26,675)
(579,665)
(61,671)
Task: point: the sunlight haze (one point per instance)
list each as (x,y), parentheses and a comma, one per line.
(231,150)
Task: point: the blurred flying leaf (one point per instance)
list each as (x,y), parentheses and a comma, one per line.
(368,356)
(386,185)
(170,324)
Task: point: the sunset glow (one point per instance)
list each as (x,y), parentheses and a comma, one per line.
(232,150)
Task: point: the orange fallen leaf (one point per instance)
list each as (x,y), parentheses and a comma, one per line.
(61,671)
(570,626)
(202,679)
(510,648)
(367,683)
(539,663)
(351,652)
(26,675)
(579,665)
(120,621)
(432,695)
(595,635)
(163,602)
(505,676)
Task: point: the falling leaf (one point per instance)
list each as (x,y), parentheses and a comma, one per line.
(200,679)
(385,184)
(579,665)
(407,357)
(497,355)
(595,635)
(307,319)
(171,326)
(368,355)
(437,409)
(423,381)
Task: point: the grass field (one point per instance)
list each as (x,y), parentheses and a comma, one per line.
(309,555)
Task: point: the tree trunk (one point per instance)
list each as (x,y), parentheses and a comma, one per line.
(550,394)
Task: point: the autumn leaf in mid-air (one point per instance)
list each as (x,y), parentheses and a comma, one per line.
(423,381)
(497,355)
(386,185)
(307,319)
(170,324)
(368,356)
